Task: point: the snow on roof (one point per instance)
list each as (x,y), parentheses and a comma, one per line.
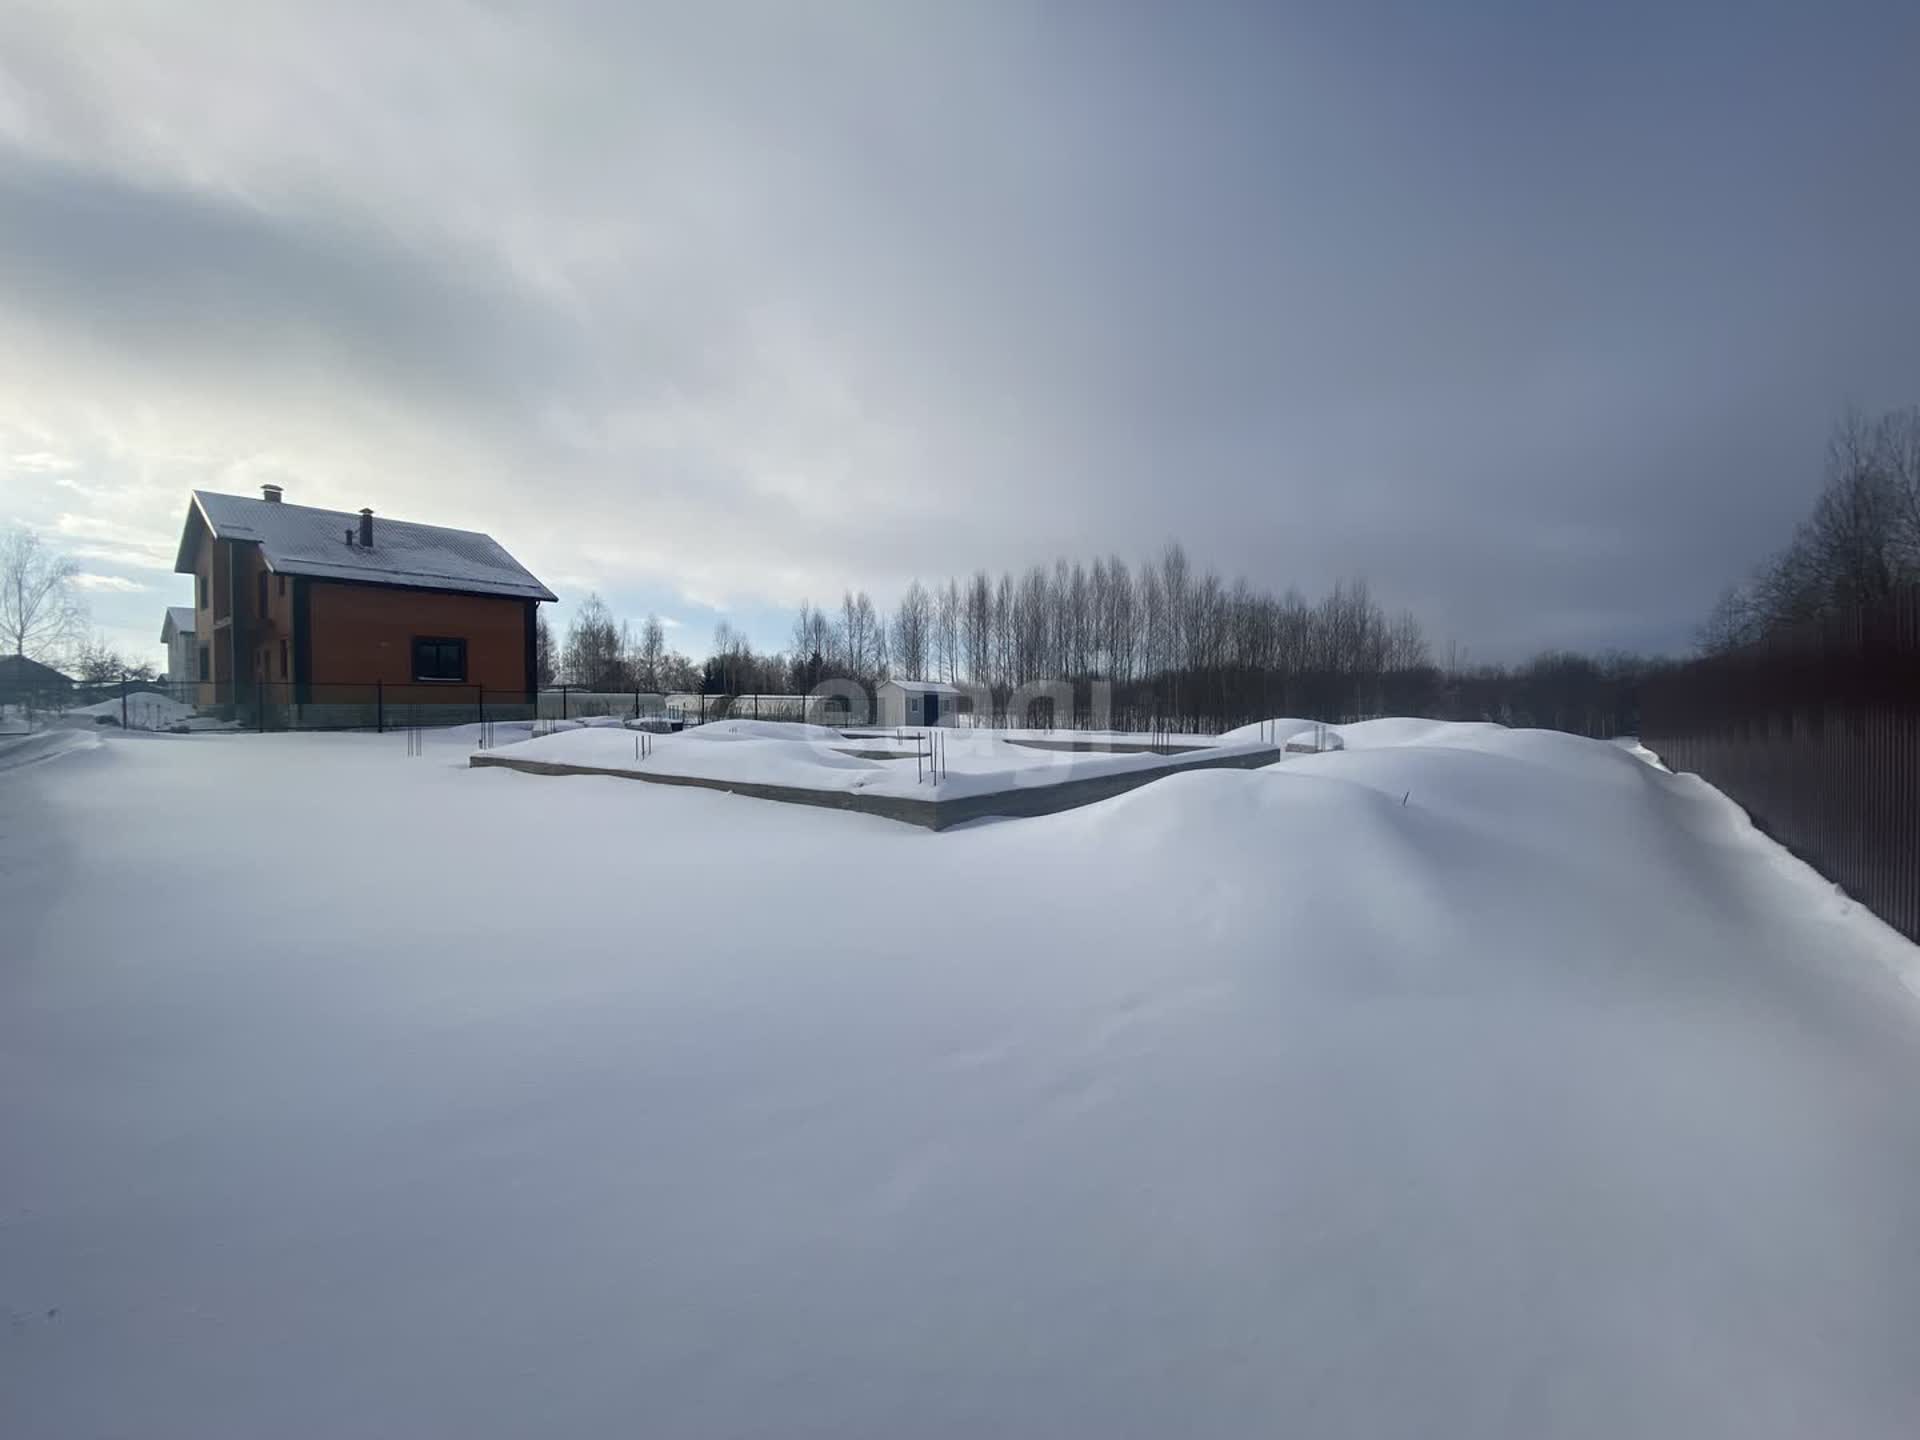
(180,617)
(935,687)
(304,540)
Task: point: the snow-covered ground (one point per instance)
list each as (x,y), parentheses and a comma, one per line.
(1460,1082)
(814,757)
(143,710)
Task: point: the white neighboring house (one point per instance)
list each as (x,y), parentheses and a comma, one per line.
(915,702)
(176,633)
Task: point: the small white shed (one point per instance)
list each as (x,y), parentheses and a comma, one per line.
(915,702)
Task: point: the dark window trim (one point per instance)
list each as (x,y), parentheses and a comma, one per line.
(283,659)
(263,594)
(200,590)
(206,663)
(456,640)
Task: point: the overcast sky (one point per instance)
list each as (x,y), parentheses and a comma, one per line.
(1534,314)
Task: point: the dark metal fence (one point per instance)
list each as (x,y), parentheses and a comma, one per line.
(1816,732)
(290,705)
(149,704)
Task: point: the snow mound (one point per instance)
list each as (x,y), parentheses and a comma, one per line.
(1277,731)
(764,730)
(143,709)
(747,755)
(1478,1083)
(1631,744)
(1402,730)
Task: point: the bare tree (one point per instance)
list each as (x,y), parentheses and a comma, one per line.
(42,616)
(1079,614)
(912,627)
(98,663)
(946,632)
(1030,661)
(1860,541)
(979,629)
(1855,524)
(722,665)
(863,642)
(1900,453)
(1123,624)
(545,658)
(1006,641)
(1174,577)
(594,656)
(1406,644)
(651,654)
(1730,624)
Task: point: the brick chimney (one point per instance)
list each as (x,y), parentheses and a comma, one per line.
(366,528)
(270,494)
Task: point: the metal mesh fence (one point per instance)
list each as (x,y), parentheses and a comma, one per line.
(1816,732)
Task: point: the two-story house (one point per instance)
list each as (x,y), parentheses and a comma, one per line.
(303,606)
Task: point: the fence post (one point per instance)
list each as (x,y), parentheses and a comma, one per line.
(380,707)
(480,704)
(123,701)
(563,702)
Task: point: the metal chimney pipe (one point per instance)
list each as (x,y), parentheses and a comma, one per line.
(366,528)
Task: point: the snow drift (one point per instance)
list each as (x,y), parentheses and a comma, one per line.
(1461,1082)
(142,709)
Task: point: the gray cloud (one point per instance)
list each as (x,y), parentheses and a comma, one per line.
(231,295)
(1537,321)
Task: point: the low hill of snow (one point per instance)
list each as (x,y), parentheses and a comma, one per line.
(1460,1082)
(142,709)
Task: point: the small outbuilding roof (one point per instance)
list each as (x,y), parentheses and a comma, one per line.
(179,620)
(924,687)
(305,540)
(17,672)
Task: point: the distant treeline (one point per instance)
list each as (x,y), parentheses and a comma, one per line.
(1179,648)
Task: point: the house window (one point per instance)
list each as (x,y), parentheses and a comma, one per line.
(283,659)
(206,663)
(200,591)
(281,586)
(436,659)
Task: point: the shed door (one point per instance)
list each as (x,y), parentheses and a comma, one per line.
(930,710)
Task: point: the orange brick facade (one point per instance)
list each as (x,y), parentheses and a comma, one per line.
(310,634)
(364,633)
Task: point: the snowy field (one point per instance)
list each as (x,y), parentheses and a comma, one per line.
(1461,1082)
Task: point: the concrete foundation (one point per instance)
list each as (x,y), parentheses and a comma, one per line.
(1020,800)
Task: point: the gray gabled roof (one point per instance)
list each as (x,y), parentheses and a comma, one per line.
(924,687)
(21,671)
(180,617)
(303,540)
